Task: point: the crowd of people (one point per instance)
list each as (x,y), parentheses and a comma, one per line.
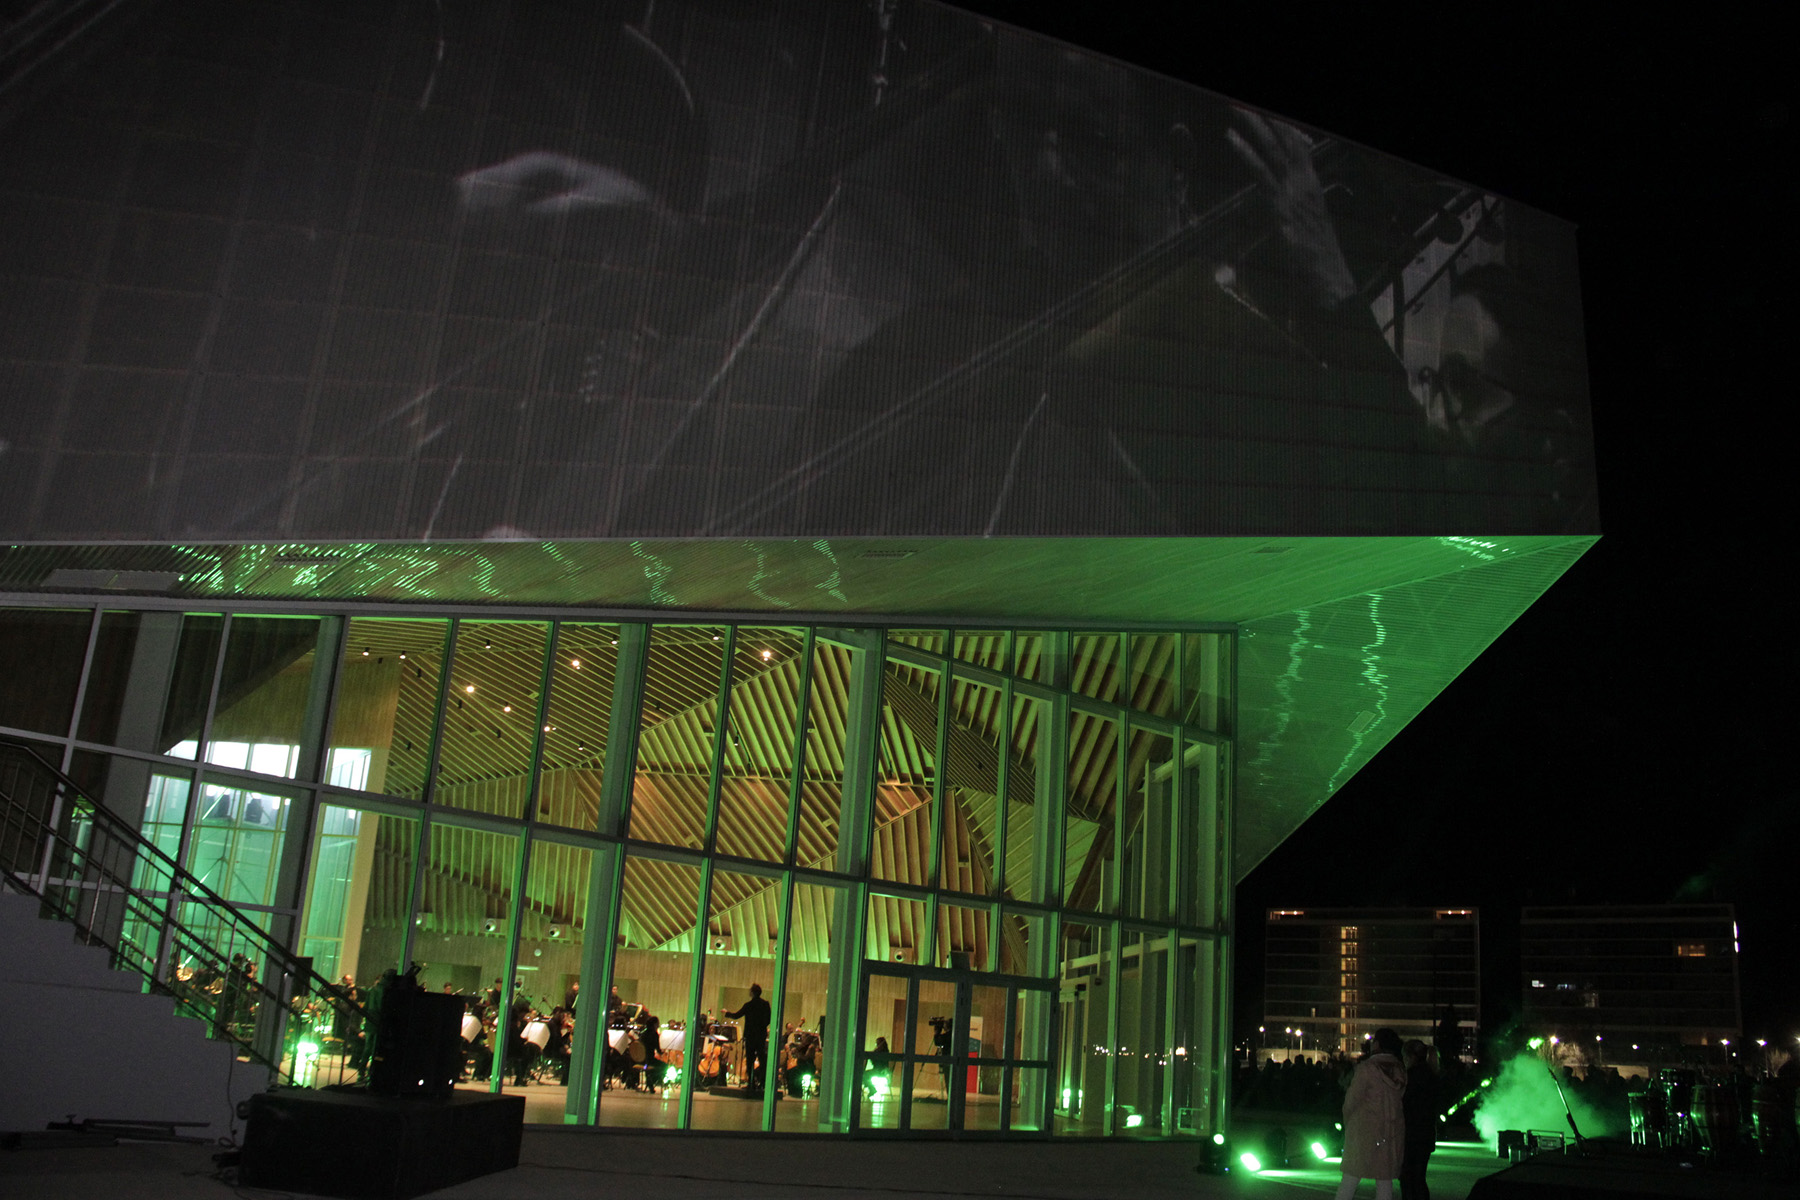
(1391,1100)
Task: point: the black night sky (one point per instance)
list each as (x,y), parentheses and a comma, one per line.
(1625,741)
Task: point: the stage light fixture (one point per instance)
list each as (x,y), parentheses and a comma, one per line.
(1251,1163)
(1215,1156)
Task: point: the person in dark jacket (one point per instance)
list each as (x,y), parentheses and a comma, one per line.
(755,1015)
(1420,1104)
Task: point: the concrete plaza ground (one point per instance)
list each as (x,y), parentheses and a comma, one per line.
(558,1164)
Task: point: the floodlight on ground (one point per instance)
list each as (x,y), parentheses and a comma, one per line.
(1251,1163)
(1215,1156)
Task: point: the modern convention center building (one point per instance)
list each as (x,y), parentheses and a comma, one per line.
(844,498)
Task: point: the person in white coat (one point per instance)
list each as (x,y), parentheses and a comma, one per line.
(1374,1120)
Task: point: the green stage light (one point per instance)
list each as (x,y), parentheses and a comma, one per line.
(306,1061)
(1251,1163)
(1218,1139)
(1318,1149)
(1133,1121)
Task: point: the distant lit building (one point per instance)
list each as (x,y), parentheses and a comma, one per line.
(1640,980)
(1333,976)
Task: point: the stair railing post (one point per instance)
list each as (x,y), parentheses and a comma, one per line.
(43,875)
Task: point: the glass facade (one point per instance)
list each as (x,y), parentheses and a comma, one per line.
(967,880)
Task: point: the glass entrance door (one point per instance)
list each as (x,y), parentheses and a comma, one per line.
(948,1051)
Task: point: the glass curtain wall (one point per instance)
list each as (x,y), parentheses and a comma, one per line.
(647,853)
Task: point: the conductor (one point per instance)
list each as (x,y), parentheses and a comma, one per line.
(755,1015)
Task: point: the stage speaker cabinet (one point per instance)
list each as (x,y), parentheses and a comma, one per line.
(418,1044)
(365,1147)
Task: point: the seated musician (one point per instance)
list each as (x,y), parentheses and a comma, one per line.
(556,1051)
(877,1063)
(346,1020)
(521,1055)
(650,1030)
(711,1070)
(478,1049)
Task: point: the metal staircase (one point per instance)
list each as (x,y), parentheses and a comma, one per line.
(90,867)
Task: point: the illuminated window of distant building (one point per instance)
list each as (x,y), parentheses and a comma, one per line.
(1690,949)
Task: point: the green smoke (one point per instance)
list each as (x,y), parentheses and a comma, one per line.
(1524,1096)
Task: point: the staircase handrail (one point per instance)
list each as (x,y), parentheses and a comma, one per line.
(183,885)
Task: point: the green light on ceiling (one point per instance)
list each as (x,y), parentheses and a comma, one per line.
(656,571)
(1477,548)
(1371,661)
(1284,687)
(831,587)
(762,573)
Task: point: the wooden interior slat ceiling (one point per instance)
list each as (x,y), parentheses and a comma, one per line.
(503,661)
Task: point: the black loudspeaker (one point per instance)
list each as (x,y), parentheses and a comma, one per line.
(418,1044)
(367,1147)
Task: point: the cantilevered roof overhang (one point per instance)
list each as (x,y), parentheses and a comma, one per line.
(1343,640)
